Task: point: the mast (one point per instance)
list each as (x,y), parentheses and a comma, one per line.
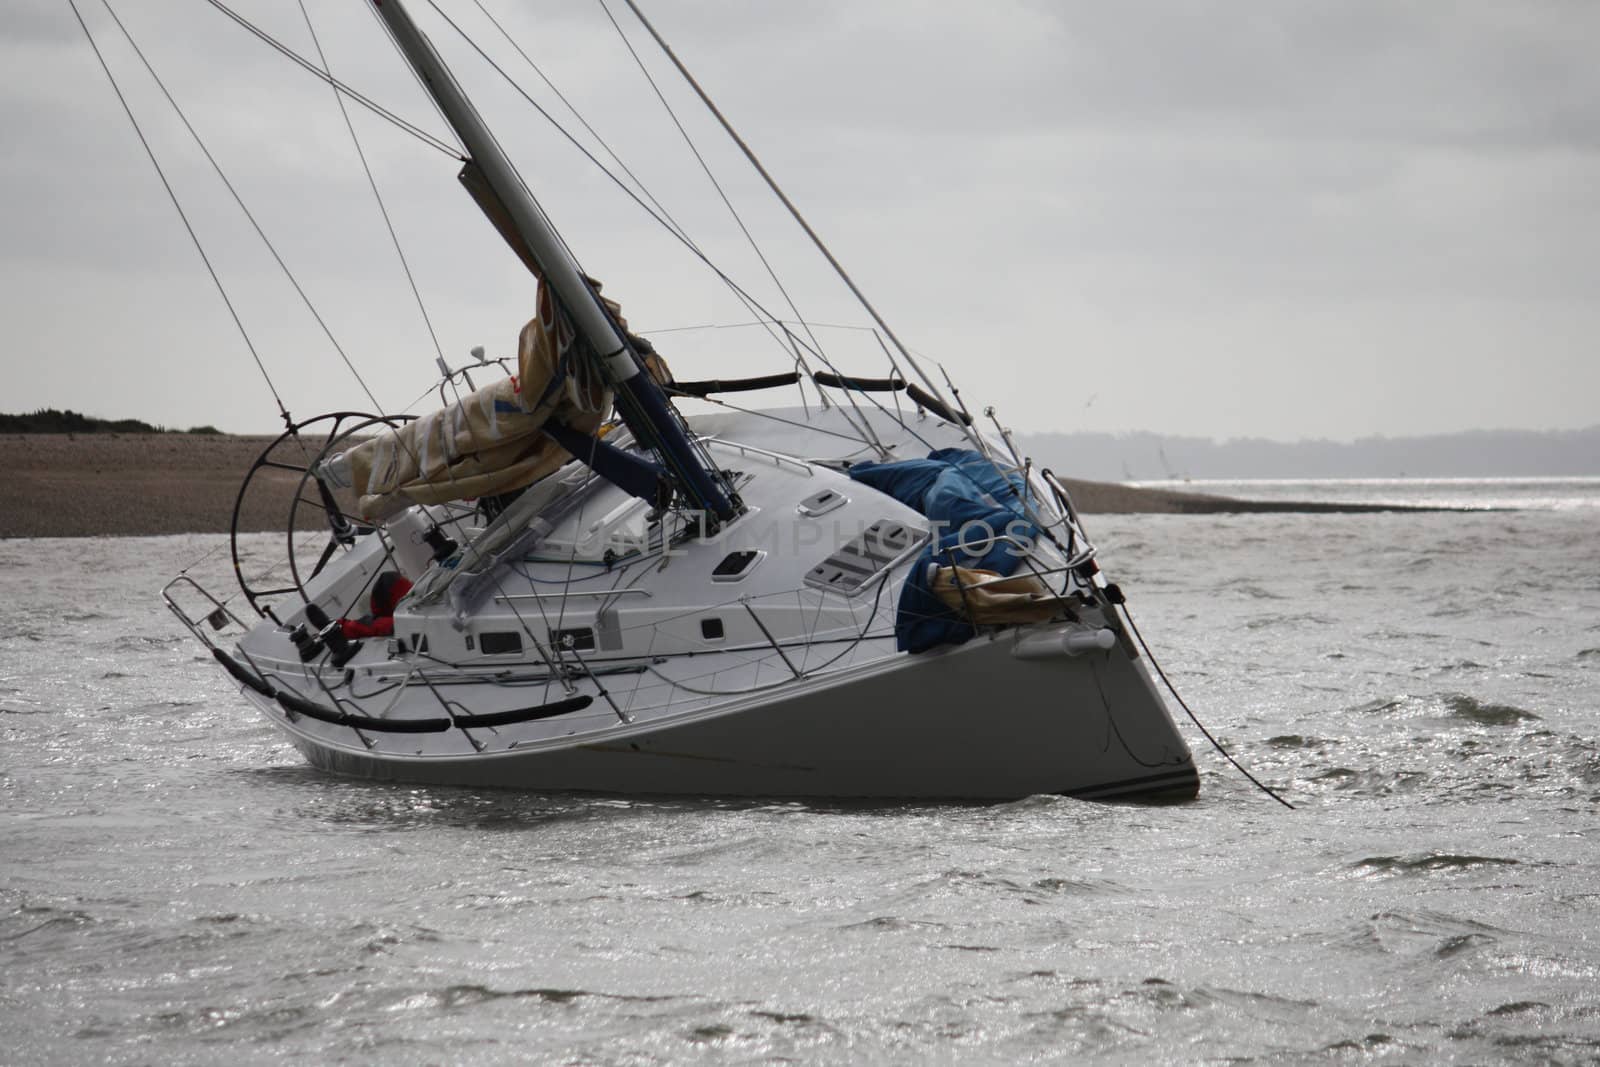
(642,404)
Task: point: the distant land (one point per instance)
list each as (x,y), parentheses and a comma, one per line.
(49,420)
(1142,456)
(126,477)
(1473,454)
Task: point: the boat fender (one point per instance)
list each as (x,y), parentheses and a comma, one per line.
(338,717)
(542,711)
(864,385)
(243,676)
(734,385)
(1057,643)
(924,399)
(301,706)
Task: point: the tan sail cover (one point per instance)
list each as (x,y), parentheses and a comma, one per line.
(489,441)
(986,599)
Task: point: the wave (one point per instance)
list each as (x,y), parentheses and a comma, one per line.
(1430,862)
(1471,709)
(1461,706)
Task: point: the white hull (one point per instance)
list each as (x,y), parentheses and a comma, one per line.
(771,682)
(777,680)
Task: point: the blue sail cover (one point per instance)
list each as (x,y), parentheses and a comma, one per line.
(973,507)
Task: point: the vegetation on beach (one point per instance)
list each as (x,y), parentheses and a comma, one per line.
(49,420)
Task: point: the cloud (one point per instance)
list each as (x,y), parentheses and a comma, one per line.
(1142,194)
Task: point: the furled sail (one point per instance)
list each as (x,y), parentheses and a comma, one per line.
(490,441)
(988,598)
(495,184)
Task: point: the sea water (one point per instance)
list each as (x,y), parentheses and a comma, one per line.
(176,887)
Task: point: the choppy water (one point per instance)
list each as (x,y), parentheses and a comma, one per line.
(176,888)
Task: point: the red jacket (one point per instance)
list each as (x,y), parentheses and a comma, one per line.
(390,588)
(367,626)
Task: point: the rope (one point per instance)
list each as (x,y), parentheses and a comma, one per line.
(1195,718)
(216,280)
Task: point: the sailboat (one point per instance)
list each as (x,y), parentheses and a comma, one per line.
(560,581)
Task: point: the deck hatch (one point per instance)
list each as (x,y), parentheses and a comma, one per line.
(864,557)
(820,503)
(736,565)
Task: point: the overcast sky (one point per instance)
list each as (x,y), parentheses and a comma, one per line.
(1279,219)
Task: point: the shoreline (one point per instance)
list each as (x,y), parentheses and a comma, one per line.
(140,485)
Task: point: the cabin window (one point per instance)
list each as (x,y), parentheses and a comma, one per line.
(711,629)
(578,639)
(505,643)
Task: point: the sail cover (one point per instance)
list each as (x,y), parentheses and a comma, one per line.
(979,526)
(492,440)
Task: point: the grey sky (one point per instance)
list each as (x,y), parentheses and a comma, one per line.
(1274,219)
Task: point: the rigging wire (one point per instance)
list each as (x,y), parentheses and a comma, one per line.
(172,194)
(758,322)
(332,81)
(340,89)
(324,72)
(663,216)
(632,409)
(778,418)
(526,191)
(794,212)
(710,176)
(504,33)
(666,221)
(635,197)
(255,224)
(868,434)
(817,345)
(436,143)
(427,94)
(787,341)
(239,200)
(372,183)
